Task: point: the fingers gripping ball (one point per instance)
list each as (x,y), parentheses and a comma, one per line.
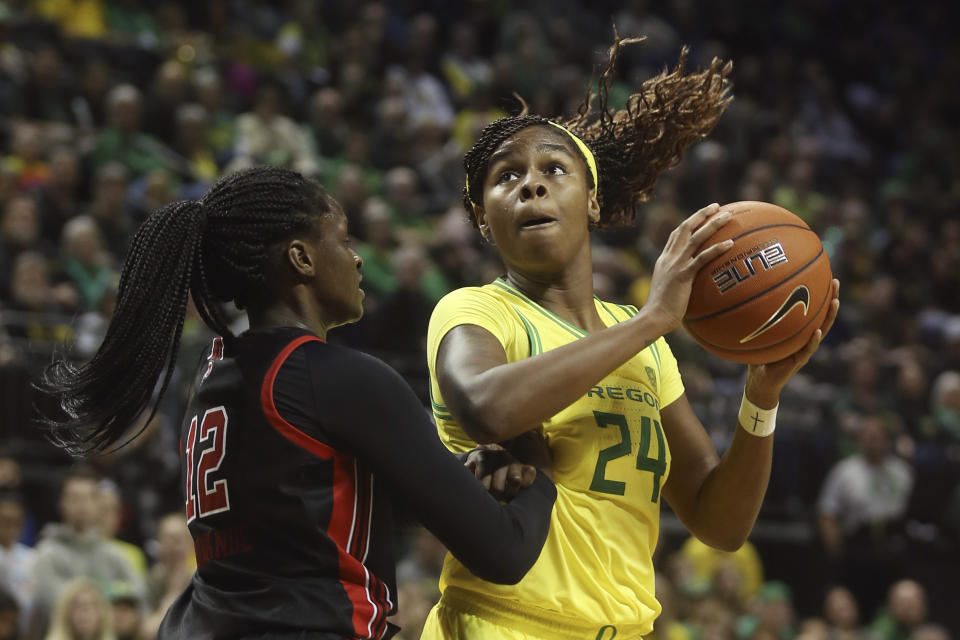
(763,299)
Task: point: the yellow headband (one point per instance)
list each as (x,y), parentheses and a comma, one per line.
(581,145)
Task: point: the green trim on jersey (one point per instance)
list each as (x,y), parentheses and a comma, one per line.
(628,309)
(607,309)
(656,356)
(536,346)
(439,411)
(577,332)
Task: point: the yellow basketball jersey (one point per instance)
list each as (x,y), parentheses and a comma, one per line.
(611,459)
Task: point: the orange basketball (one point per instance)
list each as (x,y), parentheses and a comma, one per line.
(761,300)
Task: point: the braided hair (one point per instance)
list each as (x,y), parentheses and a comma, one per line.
(632,146)
(216,249)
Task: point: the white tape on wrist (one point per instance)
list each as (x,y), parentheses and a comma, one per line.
(756,421)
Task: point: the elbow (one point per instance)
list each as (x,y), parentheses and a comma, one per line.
(727,543)
(727,539)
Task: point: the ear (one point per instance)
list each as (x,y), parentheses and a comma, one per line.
(593,207)
(301,258)
(480,215)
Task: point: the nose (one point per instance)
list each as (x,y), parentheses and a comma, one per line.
(358,260)
(533,188)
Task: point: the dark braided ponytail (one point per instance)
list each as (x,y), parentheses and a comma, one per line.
(632,146)
(217,249)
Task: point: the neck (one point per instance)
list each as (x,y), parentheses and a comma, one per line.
(567,293)
(299,312)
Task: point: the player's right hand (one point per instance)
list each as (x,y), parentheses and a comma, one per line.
(679,263)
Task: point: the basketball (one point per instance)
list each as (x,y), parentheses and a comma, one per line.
(763,299)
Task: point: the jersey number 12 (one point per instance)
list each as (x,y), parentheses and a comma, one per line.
(205,494)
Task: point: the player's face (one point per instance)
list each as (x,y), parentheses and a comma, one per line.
(337,282)
(536,200)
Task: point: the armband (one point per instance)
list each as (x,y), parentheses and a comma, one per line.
(756,421)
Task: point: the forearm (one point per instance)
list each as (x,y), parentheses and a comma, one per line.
(731,495)
(507,400)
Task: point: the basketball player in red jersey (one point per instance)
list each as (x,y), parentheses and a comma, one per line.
(294,450)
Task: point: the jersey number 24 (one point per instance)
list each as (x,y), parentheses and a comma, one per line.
(657,466)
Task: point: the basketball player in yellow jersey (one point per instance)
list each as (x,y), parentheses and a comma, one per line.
(536,351)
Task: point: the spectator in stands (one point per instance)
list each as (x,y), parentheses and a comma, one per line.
(930,632)
(191,142)
(110,210)
(707,561)
(19,231)
(174,562)
(170,574)
(399,325)
(352,191)
(111,524)
(123,140)
(167,93)
(58,198)
(91,327)
(861,510)
(11,483)
(16,558)
(126,609)
(82,613)
(36,304)
(402,186)
(47,91)
(85,262)
(75,548)
(26,159)
(328,122)
(90,102)
(906,612)
(772,614)
(208,90)
(842,615)
(266,136)
(668,625)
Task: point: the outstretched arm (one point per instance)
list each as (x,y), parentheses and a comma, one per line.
(718,499)
(390,430)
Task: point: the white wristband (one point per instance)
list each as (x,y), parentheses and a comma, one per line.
(756,421)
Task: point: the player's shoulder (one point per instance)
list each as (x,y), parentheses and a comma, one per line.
(483,294)
(487,301)
(344,364)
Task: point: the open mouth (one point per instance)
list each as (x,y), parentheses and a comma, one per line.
(537,222)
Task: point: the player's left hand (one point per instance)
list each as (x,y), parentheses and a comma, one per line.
(765,381)
(499,472)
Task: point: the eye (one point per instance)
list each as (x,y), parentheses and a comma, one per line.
(557,169)
(506,176)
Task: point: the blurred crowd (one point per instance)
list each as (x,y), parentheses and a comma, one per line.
(843,113)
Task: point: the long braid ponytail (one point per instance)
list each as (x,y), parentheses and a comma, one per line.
(632,146)
(151,304)
(216,249)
